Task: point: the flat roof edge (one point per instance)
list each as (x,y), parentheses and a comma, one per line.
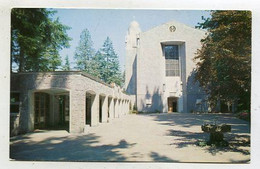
(66,72)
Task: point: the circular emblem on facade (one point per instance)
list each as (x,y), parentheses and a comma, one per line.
(172,28)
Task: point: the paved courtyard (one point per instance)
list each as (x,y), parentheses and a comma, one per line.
(153,137)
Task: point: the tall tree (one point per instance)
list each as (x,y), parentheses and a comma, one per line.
(36,39)
(84,52)
(224,61)
(66,66)
(110,71)
(98,65)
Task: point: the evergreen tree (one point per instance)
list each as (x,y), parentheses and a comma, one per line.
(224,67)
(36,39)
(66,66)
(84,52)
(98,65)
(109,64)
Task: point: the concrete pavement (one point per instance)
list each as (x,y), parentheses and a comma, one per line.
(154,137)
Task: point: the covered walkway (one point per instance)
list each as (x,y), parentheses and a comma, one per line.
(71,100)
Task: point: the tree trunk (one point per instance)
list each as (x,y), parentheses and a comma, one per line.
(21,61)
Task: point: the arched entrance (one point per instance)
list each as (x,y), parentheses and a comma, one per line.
(51,109)
(172,104)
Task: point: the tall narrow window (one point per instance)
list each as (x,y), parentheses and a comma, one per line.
(171,53)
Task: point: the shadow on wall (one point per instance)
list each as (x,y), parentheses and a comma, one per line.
(152,101)
(196,96)
(131,88)
(59,81)
(67,148)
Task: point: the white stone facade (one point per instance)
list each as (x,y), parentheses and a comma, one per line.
(145,67)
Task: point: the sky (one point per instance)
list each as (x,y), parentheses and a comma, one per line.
(114,23)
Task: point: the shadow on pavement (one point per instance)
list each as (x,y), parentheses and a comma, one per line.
(156,157)
(238,138)
(77,148)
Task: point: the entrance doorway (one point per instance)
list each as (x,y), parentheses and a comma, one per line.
(51,110)
(64,115)
(42,110)
(172,104)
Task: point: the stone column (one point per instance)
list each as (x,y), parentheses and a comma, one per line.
(128,105)
(116,108)
(104,110)
(124,112)
(121,108)
(111,109)
(77,111)
(95,110)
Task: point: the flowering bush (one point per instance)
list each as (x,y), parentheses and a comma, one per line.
(245,115)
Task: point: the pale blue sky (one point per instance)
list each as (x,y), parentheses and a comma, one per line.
(114,23)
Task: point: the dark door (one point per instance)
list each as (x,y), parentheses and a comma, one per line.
(174,106)
(88,110)
(100,110)
(42,110)
(63,111)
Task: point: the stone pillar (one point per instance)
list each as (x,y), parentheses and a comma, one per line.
(127,106)
(77,111)
(121,108)
(104,110)
(95,110)
(124,108)
(116,108)
(111,109)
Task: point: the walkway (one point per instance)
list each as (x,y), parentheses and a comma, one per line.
(154,137)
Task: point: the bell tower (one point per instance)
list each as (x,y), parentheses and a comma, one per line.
(132,45)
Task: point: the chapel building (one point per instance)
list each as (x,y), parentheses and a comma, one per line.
(160,68)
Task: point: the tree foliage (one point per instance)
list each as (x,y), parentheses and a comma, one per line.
(84,52)
(110,69)
(224,61)
(103,64)
(36,39)
(66,66)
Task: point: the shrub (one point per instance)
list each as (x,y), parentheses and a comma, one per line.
(244,115)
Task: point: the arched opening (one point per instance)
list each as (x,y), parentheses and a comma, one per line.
(172,104)
(90,96)
(51,109)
